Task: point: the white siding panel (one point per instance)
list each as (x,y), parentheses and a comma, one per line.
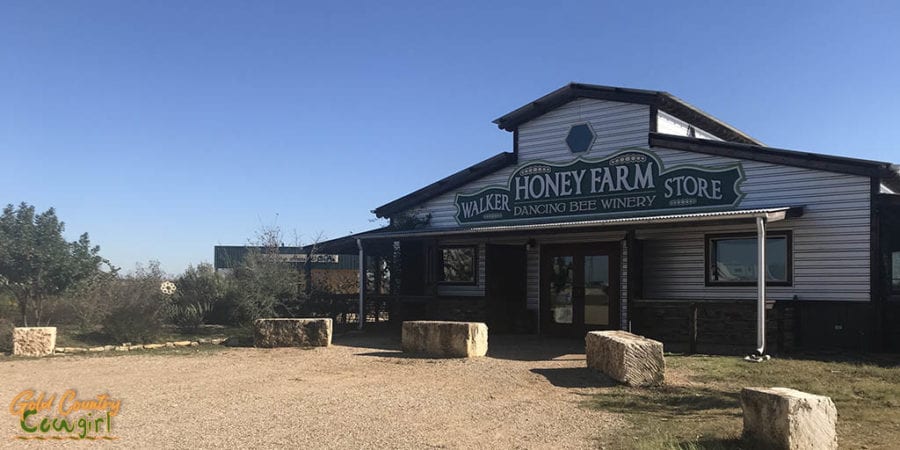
(830,241)
(616,125)
(668,124)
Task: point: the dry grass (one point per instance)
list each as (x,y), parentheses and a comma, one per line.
(71,336)
(700,405)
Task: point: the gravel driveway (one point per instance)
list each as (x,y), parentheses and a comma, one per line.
(359,393)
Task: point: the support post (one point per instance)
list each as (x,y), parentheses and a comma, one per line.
(362,282)
(692,329)
(760,291)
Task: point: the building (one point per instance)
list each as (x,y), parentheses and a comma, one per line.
(631,209)
(337,273)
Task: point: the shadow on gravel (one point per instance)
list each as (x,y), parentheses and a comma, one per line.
(380,340)
(575,377)
(533,348)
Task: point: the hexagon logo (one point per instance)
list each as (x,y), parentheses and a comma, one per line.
(580,138)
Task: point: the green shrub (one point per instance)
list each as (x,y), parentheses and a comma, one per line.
(188,318)
(255,288)
(137,307)
(199,290)
(6,330)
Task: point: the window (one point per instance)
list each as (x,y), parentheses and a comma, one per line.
(895,271)
(731,259)
(458,264)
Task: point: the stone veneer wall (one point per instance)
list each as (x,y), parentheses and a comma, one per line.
(725,326)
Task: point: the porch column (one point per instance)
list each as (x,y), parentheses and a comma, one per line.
(761,286)
(362,282)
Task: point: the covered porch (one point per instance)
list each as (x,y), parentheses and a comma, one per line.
(563,279)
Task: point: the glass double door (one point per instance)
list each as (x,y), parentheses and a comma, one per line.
(579,288)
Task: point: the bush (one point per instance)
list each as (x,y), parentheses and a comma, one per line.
(88,305)
(257,286)
(200,289)
(138,307)
(6,330)
(188,318)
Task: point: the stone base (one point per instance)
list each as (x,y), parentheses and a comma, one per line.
(34,341)
(625,357)
(292,332)
(445,339)
(785,418)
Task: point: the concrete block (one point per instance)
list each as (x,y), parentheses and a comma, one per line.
(625,357)
(292,332)
(445,339)
(34,341)
(785,418)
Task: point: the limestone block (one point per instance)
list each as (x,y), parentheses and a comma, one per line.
(34,341)
(182,343)
(153,346)
(786,418)
(292,332)
(625,357)
(445,339)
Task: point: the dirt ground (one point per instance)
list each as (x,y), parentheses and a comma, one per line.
(360,393)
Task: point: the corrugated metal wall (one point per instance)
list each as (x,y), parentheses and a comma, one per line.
(830,242)
(671,125)
(616,125)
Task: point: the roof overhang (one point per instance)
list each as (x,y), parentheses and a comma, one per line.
(773,214)
(447,184)
(885,172)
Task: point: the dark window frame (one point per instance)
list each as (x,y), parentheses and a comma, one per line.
(440,265)
(789,260)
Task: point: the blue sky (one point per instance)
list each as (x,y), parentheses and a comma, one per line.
(165,128)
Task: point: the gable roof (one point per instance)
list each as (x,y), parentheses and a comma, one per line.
(663,101)
(886,172)
(447,184)
(737,144)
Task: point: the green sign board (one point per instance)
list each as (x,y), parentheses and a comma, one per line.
(630,182)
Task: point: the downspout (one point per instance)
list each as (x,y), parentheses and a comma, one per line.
(362,282)
(760,292)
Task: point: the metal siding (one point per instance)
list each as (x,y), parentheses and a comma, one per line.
(668,124)
(830,242)
(615,125)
